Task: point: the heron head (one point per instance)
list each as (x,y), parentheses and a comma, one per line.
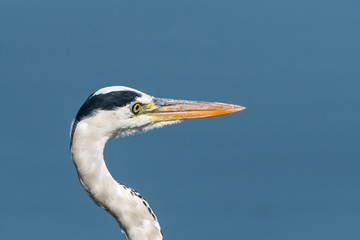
(120,111)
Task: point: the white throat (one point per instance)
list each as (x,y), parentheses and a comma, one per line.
(130,210)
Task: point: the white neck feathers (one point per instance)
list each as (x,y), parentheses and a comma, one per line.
(130,210)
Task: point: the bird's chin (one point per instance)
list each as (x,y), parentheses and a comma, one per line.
(160,125)
(144,128)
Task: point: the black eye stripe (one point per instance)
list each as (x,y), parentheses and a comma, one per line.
(108,101)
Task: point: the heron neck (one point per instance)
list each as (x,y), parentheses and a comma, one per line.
(130,210)
(87,154)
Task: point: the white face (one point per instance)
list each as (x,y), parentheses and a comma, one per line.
(122,121)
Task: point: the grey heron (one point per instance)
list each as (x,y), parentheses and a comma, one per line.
(120,111)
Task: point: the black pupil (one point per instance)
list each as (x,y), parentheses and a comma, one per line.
(137,106)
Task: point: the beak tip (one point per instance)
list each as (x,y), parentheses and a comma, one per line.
(238,108)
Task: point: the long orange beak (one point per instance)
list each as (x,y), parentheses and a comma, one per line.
(172,110)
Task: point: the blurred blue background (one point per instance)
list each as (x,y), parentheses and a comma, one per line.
(285,168)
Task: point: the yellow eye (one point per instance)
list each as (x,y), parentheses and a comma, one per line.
(136,108)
